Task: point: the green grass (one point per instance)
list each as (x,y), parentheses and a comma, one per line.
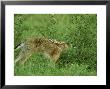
(78,30)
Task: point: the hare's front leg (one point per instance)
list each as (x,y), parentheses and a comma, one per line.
(55,54)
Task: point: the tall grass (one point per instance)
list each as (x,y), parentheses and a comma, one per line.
(78,30)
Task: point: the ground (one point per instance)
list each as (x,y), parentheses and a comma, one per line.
(78,30)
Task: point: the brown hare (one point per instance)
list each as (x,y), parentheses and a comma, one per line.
(51,49)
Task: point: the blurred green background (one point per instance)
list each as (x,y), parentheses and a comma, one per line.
(78,30)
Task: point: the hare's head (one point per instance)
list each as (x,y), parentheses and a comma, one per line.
(62,45)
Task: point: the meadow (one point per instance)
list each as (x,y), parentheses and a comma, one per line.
(78,30)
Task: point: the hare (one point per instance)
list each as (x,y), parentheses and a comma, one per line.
(50,48)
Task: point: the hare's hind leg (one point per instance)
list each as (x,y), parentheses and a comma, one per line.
(26,58)
(20,56)
(23,56)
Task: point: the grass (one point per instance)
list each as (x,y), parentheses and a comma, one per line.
(78,30)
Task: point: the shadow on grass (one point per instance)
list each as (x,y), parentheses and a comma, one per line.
(66,59)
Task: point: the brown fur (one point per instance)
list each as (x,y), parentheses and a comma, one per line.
(50,48)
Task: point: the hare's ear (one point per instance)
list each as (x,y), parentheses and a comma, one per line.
(19,46)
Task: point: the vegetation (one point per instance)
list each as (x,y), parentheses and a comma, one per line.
(78,30)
